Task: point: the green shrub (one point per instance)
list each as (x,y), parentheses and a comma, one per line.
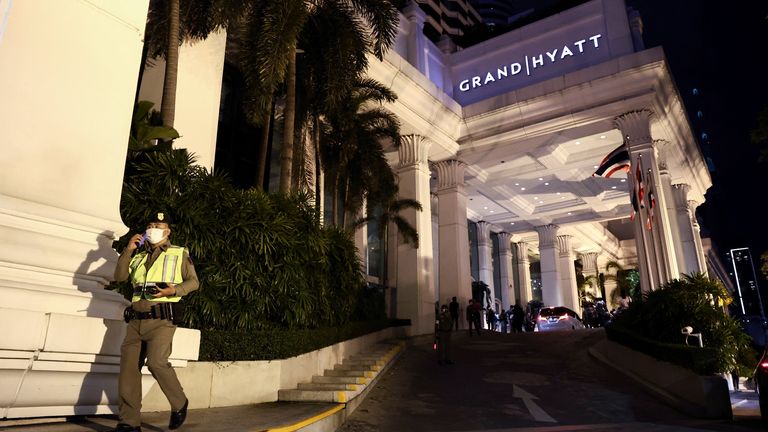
(220,345)
(263,260)
(699,302)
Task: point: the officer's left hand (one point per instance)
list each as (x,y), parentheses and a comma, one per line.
(168,291)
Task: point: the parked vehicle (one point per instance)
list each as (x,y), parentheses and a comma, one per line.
(557,318)
(531,312)
(761,385)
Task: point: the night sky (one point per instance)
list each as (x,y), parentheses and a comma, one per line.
(719,48)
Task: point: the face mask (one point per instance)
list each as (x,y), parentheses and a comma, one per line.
(155,235)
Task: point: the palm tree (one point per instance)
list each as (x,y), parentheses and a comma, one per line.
(351,145)
(626,280)
(271,43)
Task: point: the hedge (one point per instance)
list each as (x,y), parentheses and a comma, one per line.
(703,361)
(221,345)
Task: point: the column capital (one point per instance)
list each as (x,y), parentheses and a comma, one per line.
(680,195)
(413,12)
(564,245)
(547,234)
(413,150)
(662,152)
(450,173)
(505,239)
(635,127)
(483,233)
(589,261)
(521,251)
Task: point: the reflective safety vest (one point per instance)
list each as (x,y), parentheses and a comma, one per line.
(166,268)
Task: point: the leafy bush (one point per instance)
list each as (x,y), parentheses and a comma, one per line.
(699,302)
(264,261)
(221,345)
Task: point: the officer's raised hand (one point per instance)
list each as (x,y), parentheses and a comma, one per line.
(133,243)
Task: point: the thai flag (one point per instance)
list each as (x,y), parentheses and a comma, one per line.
(615,161)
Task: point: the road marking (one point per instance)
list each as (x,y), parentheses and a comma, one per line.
(536,411)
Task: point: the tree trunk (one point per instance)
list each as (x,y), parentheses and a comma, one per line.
(286,150)
(168,105)
(335,201)
(263,150)
(319,177)
(142,66)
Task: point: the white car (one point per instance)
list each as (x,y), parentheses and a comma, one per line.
(557,318)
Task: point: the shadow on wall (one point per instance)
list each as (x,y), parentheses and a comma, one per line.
(99,386)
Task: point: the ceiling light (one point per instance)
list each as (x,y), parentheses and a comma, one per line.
(491,211)
(578,142)
(522,188)
(595,166)
(517,184)
(536,198)
(562,197)
(511,223)
(546,184)
(485,208)
(569,213)
(558,193)
(613,187)
(540,179)
(623,180)
(602,136)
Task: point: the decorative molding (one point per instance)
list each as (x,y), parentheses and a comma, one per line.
(589,262)
(483,233)
(662,153)
(547,235)
(505,239)
(635,127)
(413,12)
(680,195)
(521,252)
(450,173)
(564,245)
(413,150)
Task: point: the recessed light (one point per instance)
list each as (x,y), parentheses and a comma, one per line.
(595,166)
(517,184)
(569,213)
(562,197)
(485,208)
(546,184)
(602,136)
(613,187)
(558,193)
(536,198)
(511,223)
(578,142)
(522,188)
(623,180)
(540,179)
(491,211)
(541,202)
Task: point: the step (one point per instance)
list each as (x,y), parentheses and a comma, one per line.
(339,380)
(329,386)
(350,373)
(358,366)
(295,395)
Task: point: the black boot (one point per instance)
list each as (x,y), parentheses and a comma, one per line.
(178,417)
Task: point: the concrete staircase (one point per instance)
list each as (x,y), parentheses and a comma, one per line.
(347,380)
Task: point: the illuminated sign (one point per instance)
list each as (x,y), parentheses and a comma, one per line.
(528,64)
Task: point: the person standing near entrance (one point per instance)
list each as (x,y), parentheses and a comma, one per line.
(443,327)
(161,274)
(453,307)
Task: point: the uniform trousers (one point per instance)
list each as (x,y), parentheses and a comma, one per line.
(158,335)
(444,346)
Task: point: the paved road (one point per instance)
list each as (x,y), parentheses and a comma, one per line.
(525,382)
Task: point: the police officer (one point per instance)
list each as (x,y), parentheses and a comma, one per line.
(161,274)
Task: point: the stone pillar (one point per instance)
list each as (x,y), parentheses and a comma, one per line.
(590,268)
(484,257)
(455,279)
(505,270)
(416,39)
(688,256)
(361,239)
(523,273)
(551,293)
(568,274)
(415,285)
(64,127)
(669,235)
(654,245)
(702,259)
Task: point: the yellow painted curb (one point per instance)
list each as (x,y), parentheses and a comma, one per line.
(309,421)
(341,396)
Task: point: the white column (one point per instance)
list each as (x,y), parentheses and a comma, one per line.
(361,239)
(666,210)
(654,246)
(455,277)
(68,94)
(415,285)
(702,259)
(589,263)
(484,259)
(551,293)
(689,257)
(198,94)
(568,274)
(505,270)
(416,39)
(523,272)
